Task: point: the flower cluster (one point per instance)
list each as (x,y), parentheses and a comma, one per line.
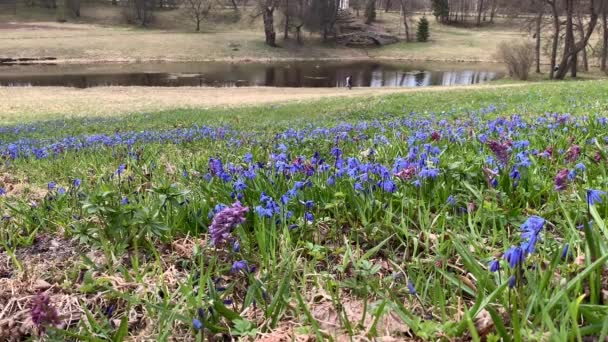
(225,221)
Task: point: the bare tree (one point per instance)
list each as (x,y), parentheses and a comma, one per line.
(572,48)
(405,11)
(197,11)
(266,9)
(556,32)
(604,54)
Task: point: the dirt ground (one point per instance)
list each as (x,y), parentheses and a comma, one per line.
(31,103)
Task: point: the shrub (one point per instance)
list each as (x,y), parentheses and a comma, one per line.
(518,56)
(422,34)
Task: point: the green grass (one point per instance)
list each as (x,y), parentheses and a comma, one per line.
(372,254)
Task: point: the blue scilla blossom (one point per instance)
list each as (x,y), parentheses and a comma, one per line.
(572,175)
(530,230)
(429,173)
(494,266)
(61,191)
(581,167)
(197,324)
(514,256)
(241,265)
(565,251)
(494,183)
(512,282)
(51,185)
(411,288)
(124,201)
(77,182)
(387,185)
(248,157)
(121,169)
(309,216)
(515,173)
(594,196)
(451,201)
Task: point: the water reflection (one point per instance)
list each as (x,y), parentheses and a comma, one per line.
(300,74)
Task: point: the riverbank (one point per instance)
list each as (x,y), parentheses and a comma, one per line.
(31,103)
(92,40)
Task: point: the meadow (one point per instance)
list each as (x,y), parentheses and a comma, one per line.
(462,214)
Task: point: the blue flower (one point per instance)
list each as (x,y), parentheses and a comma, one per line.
(565,251)
(309,205)
(512,282)
(308,216)
(494,266)
(451,201)
(77,182)
(411,288)
(121,169)
(594,196)
(514,256)
(2,192)
(124,201)
(240,266)
(236,247)
(197,324)
(580,166)
(52,185)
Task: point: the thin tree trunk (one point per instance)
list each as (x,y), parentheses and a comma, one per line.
(539,19)
(604,36)
(286,29)
(405,24)
(582,36)
(268,17)
(493,11)
(556,30)
(387,6)
(479,11)
(234,5)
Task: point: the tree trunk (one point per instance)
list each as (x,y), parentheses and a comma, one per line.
(198,25)
(299,34)
(539,20)
(582,36)
(556,29)
(387,6)
(268,17)
(493,11)
(572,48)
(604,36)
(286,28)
(405,24)
(234,5)
(479,11)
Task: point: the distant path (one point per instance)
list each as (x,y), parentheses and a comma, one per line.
(35,102)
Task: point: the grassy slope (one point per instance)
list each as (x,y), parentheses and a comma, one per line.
(160,289)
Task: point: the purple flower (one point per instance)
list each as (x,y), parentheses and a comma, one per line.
(236,247)
(51,185)
(77,182)
(124,201)
(2,192)
(512,282)
(594,196)
(500,150)
(225,221)
(42,312)
(561,180)
(572,154)
(494,266)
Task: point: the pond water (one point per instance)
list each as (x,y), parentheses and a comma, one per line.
(224,74)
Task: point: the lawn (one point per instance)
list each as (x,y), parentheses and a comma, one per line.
(474,214)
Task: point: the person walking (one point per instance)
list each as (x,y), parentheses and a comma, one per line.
(349,82)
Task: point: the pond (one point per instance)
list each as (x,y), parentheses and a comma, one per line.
(226,74)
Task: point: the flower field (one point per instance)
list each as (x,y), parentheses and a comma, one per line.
(470,216)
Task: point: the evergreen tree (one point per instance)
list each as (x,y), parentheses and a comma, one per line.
(422,34)
(441,10)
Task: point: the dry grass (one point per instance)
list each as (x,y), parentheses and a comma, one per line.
(25,104)
(173,40)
